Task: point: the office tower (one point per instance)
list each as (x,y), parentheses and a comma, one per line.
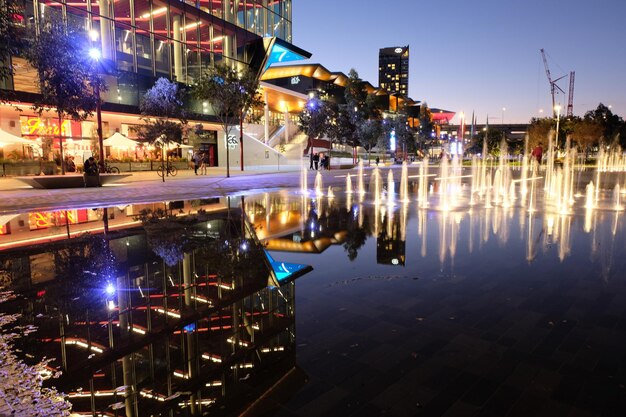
(393,69)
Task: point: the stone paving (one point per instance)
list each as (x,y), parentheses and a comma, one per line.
(148,187)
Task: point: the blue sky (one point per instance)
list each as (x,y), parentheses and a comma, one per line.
(478,56)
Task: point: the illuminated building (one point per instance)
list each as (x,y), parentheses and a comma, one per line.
(393,70)
(173,316)
(141,41)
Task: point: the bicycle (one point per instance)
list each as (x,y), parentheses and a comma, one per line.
(111,169)
(169,170)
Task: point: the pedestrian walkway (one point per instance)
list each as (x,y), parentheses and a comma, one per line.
(149,187)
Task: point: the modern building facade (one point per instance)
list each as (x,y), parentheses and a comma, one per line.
(140,41)
(393,70)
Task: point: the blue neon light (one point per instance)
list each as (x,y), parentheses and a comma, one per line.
(284,270)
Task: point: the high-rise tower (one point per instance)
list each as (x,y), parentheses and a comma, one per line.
(393,69)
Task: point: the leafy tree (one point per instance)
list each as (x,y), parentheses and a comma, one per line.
(164,116)
(66,73)
(611,124)
(370,133)
(493,138)
(8,42)
(405,138)
(314,120)
(230,93)
(539,131)
(426,125)
(586,133)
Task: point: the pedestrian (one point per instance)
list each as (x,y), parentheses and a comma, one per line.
(311,159)
(90,173)
(197,160)
(537,153)
(316,160)
(377,160)
(70,165)
(204,163)
(90,167)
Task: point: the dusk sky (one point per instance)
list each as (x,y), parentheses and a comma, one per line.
(478,56)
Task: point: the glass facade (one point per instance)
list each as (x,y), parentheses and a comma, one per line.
(169,314)
(393,70)
(160,38)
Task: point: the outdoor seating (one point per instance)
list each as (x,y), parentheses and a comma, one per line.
(70,181)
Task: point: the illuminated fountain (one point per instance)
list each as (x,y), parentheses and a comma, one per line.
(404,183)
(391,188)
(375,185)
(422,191)
(318,184)
(361,183)
(348,184)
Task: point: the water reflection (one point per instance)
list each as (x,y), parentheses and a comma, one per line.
(311,225)
(178,309)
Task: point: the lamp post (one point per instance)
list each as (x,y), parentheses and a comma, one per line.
(94,53)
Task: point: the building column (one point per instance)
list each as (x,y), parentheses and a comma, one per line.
(266,114)
(105,29)
(286,127)
(178,52)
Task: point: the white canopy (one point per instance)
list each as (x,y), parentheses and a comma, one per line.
(7,138)
(117,140)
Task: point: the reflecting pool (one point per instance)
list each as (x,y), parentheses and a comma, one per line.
(415,296)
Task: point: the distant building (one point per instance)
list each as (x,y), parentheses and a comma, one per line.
(393,69)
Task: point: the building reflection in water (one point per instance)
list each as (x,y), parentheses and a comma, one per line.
(292,223)
(178,310)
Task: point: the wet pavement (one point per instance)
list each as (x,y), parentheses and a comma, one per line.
(148,187)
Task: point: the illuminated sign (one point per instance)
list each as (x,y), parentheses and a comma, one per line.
(295,80)
(392,141)
(44,220)
(398,50)
(34,126)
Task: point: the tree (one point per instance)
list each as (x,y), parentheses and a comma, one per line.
(405,138)
(370,133)
(230,93)
(494,140)
(426,126)
(66,73)
(159,105)
(586,133)
(8,42)
(611,125)
(314,120)
(539,131)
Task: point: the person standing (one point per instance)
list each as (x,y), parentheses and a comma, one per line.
(204,163)
(316,160)
(197,160)
(311,159)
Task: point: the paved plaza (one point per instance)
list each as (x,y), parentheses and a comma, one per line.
(148,187)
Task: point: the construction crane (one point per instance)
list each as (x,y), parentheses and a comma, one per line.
(553,83)
(570,98)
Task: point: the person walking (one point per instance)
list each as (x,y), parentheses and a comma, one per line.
(311,159)
(197,160)
(204,164)
(316,160)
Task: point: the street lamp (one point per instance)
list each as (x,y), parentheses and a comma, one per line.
(95,55)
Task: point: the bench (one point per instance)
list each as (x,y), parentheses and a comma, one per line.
(69,181)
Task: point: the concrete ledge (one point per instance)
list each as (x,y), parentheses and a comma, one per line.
(48,182)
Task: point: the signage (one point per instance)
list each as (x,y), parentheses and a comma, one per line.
(35,126)
(398,50)
(44,220)
(295,80)
(232,142)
